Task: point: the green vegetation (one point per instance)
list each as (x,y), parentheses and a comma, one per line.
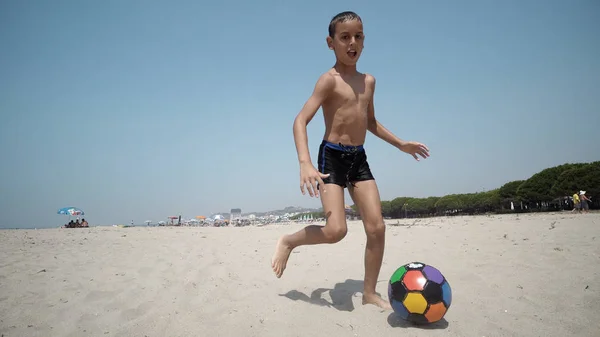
(546,190)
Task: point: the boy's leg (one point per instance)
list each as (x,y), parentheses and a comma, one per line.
(366,196)
(334,230)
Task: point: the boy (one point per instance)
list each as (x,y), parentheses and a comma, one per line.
(346,97)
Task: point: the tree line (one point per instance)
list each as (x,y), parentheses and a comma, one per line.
(547,190)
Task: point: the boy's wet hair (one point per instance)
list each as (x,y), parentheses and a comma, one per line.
(342,17)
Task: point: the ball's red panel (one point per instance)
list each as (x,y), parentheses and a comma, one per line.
(435,312)
(414,280)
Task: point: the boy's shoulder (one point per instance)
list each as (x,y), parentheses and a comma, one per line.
(369,79)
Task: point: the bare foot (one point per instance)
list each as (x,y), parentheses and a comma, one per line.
(376,300)
(279,260)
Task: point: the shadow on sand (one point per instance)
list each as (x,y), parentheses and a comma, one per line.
(396,322)
(341,299)
(341,295)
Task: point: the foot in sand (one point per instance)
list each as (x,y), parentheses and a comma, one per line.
(376,300)
(282,253)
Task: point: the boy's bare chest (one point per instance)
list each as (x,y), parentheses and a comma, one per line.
(357,94)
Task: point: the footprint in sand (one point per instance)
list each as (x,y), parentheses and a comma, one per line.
(99,295)
(145,271)
(139,311)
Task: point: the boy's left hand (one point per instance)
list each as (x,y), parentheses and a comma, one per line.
(414,149)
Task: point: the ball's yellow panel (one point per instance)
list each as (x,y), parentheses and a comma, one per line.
(415,303)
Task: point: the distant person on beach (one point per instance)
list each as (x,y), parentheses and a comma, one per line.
(584,202)
(346,97)
(576,203)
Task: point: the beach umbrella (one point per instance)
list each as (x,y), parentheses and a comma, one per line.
(70,211)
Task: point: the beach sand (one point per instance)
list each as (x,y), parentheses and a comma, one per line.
(511,275)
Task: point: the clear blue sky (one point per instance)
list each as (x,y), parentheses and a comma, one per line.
(135,110)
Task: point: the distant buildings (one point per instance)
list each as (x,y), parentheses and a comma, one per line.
(235,214)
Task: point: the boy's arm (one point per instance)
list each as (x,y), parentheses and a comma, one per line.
(323,88)
(374,126)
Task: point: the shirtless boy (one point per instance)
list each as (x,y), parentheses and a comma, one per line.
(346,97)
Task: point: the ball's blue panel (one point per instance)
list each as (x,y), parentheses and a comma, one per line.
(399,309)
(447,294)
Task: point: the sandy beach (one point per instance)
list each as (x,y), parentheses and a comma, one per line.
(511,275)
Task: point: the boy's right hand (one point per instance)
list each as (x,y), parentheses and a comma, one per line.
(309,177)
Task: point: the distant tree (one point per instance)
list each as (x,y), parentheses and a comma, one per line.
(508,191)
(397,207)
(386,208)
(449,203)
(582,177)
(538,188)
(489,201)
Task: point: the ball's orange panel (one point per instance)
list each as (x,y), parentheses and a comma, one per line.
(436,312)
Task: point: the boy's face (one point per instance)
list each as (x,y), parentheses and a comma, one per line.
(347,43)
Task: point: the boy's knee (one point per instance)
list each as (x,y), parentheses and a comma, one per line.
(375,230)
(336,234)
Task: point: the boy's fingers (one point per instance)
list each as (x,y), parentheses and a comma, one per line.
(314,185)
(321,183)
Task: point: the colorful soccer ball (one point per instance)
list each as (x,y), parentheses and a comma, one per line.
(419,293)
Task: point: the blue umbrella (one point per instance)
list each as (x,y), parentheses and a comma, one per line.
(70,211)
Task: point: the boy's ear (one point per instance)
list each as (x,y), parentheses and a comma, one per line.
(329,42)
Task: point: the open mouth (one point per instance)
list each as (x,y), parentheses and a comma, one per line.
(352,53)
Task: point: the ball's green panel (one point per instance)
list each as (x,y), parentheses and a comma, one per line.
(398,274)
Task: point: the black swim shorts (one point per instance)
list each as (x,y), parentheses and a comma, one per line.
(345,164)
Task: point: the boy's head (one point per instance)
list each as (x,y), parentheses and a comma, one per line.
(346,37)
